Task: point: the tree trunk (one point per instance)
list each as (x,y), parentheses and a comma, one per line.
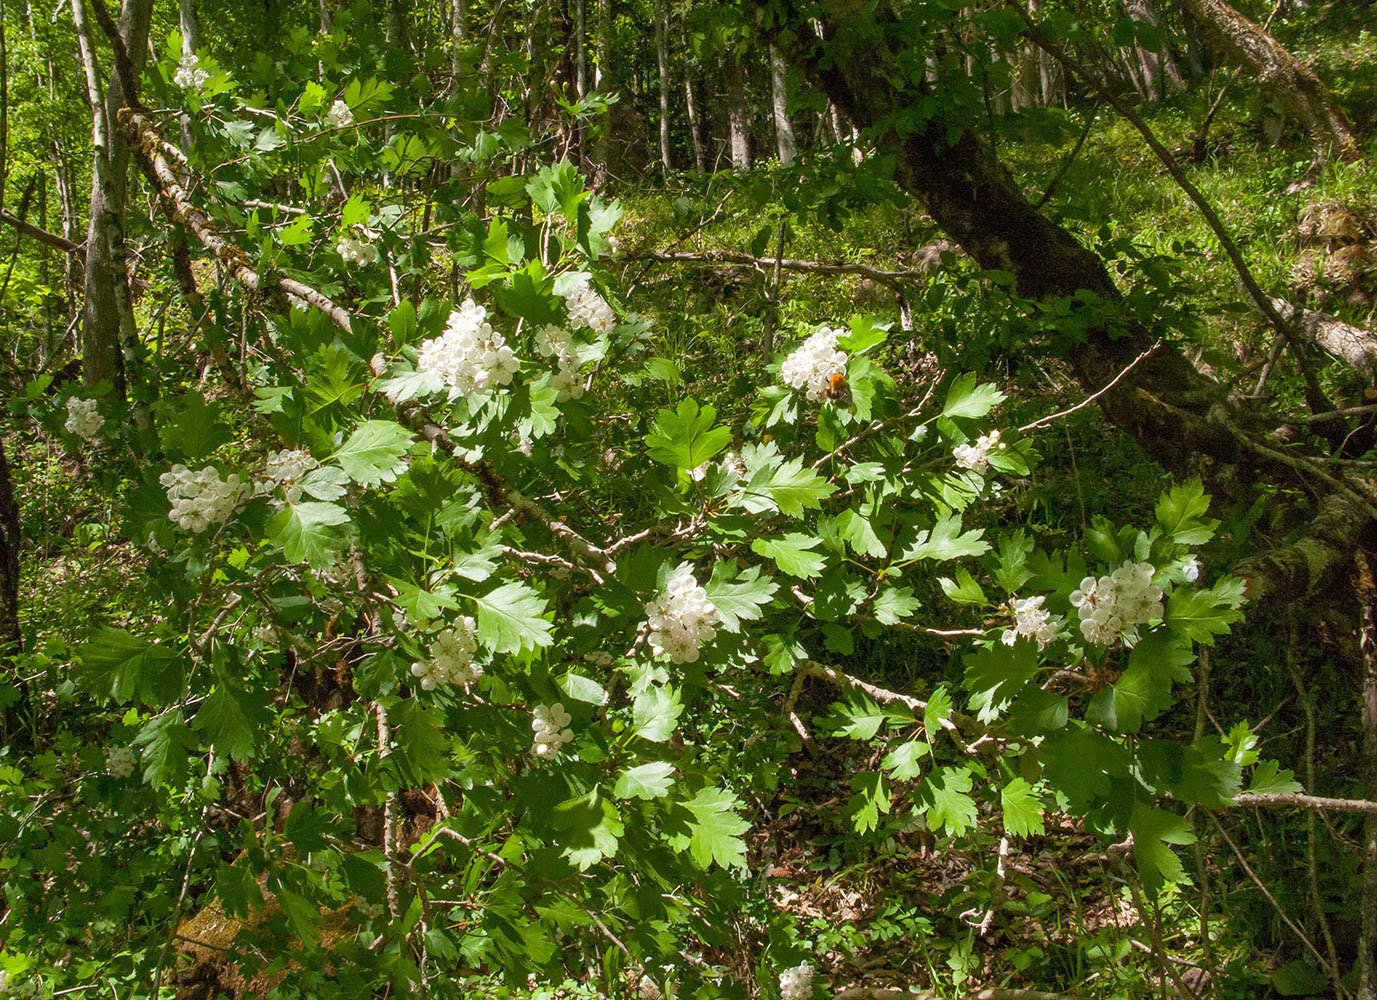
(662,58)
(779,94)
(1158,65)
(1282,76)
(602,53)
(738,116)
(10,636)
(327,21)
(700,152)
(1367,908)
(108,314)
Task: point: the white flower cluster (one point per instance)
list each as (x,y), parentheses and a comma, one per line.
(1031,622)
(551,727)
(682,618)
(286,468)
(451,657)
(976,457)
(556,342)
(119,762)
(356,250)
(796,983)
(82,418)
(588,308)
(200,499)
(470,355)
(1115,605)
(811,367)
(339,115)
(189,75)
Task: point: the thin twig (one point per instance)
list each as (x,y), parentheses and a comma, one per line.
(1095,395)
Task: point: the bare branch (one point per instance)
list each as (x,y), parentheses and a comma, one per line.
(42,235)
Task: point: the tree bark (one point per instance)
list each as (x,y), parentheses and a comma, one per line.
(700,152)
(1282,76)
(602,53)
(738,116)
(1367,909)
(1158,65)
(108,314)
(9,561)
(779,95)
(662,61)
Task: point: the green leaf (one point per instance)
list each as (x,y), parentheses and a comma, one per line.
(869,799)
(167,743)
(655,713)
(1143,691)
(738,598)
(859,717)
(1269,778)
(717,828)
(309,532)
(375,452)
(231,719)
(686,438)
(116,664)
(996,674)
(645,781)
(945,541)
(298,233)
(354,211)
(590,829)
(858,531)
(948,806)
(1153,829)
(583,689)
(509,618)
(966,399)
(963,589)
(788,487)
(1200,615)
(894,604)
(192,430)
(937,712)
(792,553)
(1180,513)
(1022,809)
(1298,978)
(904,762)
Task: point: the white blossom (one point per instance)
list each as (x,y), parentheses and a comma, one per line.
(551,727)
(339,115)
(470,355)
(554,341)
(286,468)
(796,983)
(681,618)
(976,457)
(731,462)
(1113,606)
(119,762)
(589,309)
(356,250)
(1031,622)
(201,498)
(813,364)
(1191,569)
(189,75)
(82,418)
(451,657)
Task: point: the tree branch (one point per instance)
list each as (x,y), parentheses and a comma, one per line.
(152,153)
(42,235)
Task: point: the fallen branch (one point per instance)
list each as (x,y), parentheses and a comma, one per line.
(734,259)
(995,993)
(152,153)
(1352,345)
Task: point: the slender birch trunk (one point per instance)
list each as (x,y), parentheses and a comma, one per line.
(700,152)
(779,95)
(108,314)
(602,53)
(662,58)
(738,117)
